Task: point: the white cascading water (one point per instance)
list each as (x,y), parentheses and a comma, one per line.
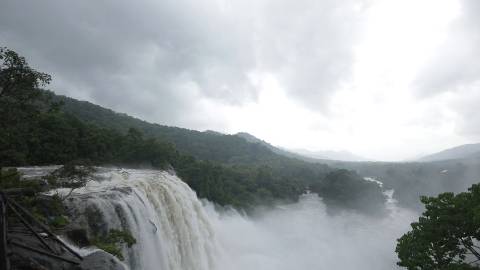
(163,214)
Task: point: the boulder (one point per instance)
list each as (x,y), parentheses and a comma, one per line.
(101,260)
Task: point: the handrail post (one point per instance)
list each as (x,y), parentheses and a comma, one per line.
(4,262)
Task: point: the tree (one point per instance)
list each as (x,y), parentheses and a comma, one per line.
(72,175)
(17,78)
(447,234)
(19,95)
(346,189)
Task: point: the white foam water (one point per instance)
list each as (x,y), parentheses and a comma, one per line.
(162,213)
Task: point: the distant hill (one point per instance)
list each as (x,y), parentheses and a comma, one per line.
(250,138)
(409,180)
(331,155)
(277,150)
(459,152)
(325,157)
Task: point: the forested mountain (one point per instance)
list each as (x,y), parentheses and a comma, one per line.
(208,145)
(240,148)
(40,128)
(459,152)
(231,169)
(243,150)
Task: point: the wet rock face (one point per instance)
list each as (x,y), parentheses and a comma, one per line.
(86,222)
(25,259)
(101,260)
(23,262)
(79,236)
(87,219)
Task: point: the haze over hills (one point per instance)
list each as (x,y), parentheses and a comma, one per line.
(332,155)
(303,154)
(278,150)
(458,152)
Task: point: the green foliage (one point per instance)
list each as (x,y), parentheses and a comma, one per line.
(447,234)
(59,221)
(11,178)
(237,186)
(50,210)
(347,189)
(114,241)
(47,209)
(71,175)
(19,95)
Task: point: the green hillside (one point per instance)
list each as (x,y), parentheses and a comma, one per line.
(409,180)
(229,149)
(40,128)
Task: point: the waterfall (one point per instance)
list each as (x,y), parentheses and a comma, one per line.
(170,224)
(176,231)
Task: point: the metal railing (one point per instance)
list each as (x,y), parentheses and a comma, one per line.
(46,238)
(4,262)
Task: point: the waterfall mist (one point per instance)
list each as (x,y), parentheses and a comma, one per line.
(304,236)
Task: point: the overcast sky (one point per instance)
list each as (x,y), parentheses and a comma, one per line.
(384,79)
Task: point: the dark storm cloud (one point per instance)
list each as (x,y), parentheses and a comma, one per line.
(155,59)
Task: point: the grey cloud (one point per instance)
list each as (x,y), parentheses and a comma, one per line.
(309,46)
(455,68)
(456,65)
(139,57)
(466,105)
